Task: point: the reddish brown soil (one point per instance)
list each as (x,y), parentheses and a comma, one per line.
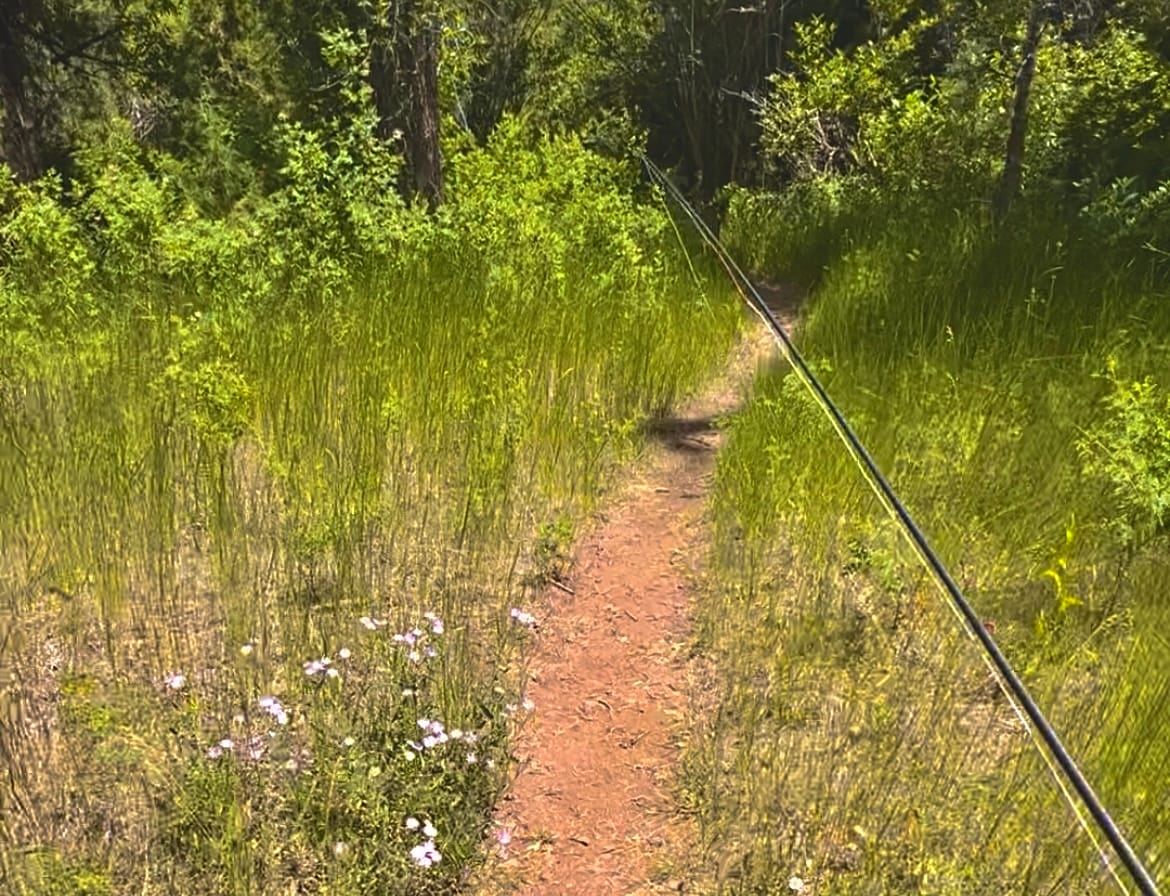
(591,810)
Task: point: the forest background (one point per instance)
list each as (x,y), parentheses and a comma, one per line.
(258,571)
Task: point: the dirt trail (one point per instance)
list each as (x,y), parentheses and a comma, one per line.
(590,810)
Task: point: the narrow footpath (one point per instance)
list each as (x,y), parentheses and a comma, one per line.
(590,811)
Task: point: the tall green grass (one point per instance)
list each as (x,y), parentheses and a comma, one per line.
(260,535)
(1007,380)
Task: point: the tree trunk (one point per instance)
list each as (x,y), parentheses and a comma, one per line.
(1013,162)
(422,130)
(19,142)
(404,75)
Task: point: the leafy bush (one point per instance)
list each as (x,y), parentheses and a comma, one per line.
(47,266)
(1130,450)
(1101,112)
(871,112)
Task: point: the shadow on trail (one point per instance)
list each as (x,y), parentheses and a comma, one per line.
(784,300)
(686,434)
(699,433)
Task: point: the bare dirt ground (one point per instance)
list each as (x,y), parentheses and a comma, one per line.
(590,811)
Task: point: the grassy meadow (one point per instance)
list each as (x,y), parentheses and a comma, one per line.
(1011,382)
(316,351)
(276,495)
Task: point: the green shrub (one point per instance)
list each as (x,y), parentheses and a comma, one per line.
(1130,450)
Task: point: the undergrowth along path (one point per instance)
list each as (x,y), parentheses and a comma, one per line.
(590,810)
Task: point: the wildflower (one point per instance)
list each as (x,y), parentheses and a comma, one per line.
(176,681)
(503,836)
(340,848)
(414,656)
(425,854)
(528,705)
(429,831)
(436,623)
(412,823)
(525,619)
(217,750)
(344,653)
(472,758)
(246,649)
(434,736)
(409,638)
(795,884)
(315,668)
(348,742)
(272,706)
